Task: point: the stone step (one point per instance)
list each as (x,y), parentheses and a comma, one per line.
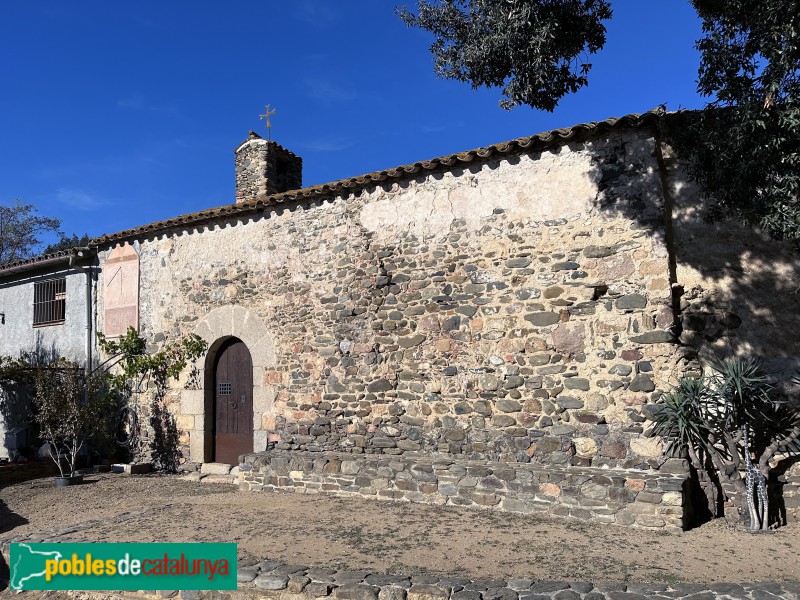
(215,468)
(231,478)
(226,479)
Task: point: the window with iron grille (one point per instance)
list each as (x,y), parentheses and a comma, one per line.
(49,301)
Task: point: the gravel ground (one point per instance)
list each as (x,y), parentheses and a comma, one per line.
(389,537)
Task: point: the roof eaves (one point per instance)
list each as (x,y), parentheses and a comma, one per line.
(42,261)
(538,141)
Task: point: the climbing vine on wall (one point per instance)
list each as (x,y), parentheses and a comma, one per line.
(133,380)
(143,378)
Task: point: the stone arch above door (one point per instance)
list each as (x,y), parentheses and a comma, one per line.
(220,324)
(237,321)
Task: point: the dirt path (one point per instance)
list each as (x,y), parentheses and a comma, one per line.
(391,537)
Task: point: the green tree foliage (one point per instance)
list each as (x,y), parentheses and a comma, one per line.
(732,418)
(66,242)
(536,50)
(72,407)
(744,149)
(136,368)
(16,370)
(20,231)
(143,377)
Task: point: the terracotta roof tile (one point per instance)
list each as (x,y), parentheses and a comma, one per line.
(534,142)
(42,260)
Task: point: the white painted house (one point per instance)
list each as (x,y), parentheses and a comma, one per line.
(47,309)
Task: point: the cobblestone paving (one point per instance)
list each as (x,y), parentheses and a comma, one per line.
(362,585)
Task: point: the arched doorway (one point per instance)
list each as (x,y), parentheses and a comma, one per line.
(217,328)
(233,401)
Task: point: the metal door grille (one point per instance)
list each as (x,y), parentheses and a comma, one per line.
(49,301)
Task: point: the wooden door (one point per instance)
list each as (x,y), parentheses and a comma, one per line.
(233,402)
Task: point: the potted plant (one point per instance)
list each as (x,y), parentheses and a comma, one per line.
(69,409)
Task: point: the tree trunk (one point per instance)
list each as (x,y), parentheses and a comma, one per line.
(708,487)
(731,479)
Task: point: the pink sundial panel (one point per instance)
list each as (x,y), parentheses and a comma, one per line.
(121,291)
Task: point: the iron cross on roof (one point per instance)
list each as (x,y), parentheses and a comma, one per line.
(267,114)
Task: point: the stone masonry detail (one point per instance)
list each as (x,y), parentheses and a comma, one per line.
(517,311)
(263,167)
(518,305)
(623,497)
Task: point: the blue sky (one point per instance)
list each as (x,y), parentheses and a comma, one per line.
(116,114)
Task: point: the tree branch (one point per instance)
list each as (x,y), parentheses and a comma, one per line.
(787,438)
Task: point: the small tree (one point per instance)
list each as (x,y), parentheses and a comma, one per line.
(69,408)
(72,407)
(20,231)
(732,422)
(66,242)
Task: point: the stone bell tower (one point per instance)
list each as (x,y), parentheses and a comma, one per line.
(263,168)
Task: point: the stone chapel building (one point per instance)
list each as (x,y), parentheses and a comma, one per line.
(488,328)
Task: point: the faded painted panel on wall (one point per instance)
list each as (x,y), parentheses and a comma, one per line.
(121,291)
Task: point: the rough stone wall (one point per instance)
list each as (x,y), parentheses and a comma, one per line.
(517,310)
(790,488)
(740,291)
(738,295)
(630,498)
(264,168)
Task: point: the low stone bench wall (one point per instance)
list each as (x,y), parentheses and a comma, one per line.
(791,490)
(653,500)
(16,472)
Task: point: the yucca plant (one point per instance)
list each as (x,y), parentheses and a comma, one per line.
(682,420)
(729,421)
(741,393)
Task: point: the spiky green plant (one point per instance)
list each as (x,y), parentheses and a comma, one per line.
(681,418)
(709,416)
(741,392)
